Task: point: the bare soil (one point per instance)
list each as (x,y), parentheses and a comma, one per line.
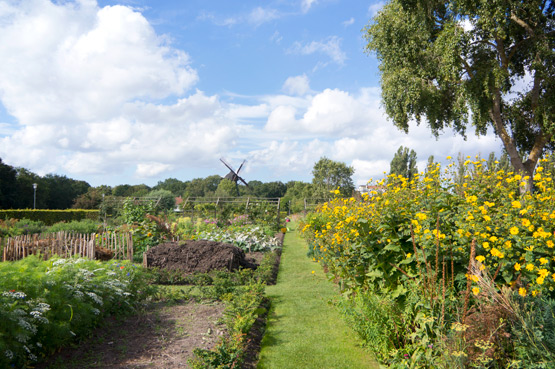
(161,337)
(199,256)
(164,336)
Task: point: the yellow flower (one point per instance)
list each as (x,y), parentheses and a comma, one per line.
(517,266)
(543,261)
(530,267)
(475,290)
(531,228)
(485,245)
(516,204)
(539,280)
(409,255)
(525,222)
(514,231)
(522,291)
(480,258)
(550,244)
(543,273)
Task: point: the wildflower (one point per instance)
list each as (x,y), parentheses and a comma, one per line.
(409,255)
(539,280)
(516,204)
(525,222)
(530,267)
(550,244)
(543,261)
(475,291)
(480,258)
(313,272)
(514,231)
(517,266)
(522,291)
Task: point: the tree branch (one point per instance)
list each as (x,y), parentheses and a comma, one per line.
(523,24)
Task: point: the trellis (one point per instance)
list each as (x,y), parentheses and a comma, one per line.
(189,204)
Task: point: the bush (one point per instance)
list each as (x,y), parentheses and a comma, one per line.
(441,234)
(47,304)
(85,226)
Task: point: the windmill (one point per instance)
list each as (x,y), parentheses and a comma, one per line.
(234,175)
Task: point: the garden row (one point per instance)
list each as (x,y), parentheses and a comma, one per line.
(45,305)
(438,272)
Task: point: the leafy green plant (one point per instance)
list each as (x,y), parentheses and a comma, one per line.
(85,226)
(47,304)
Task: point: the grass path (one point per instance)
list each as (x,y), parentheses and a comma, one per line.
(304,330)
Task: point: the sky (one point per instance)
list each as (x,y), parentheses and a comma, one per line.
(138,91)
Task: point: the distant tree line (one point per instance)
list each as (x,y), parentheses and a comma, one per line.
(59,192)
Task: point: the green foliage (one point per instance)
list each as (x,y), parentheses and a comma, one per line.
(242,309)
(404,163)
(49,217)
(533,332)
(85,226)
(440,60)
(409,249)
(167,199)
(329,175)
(47,304)
(248,238)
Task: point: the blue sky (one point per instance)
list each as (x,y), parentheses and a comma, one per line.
(137,91)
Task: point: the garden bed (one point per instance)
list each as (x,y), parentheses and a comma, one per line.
(163,336)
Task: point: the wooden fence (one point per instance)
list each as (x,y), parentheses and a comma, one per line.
(66,244)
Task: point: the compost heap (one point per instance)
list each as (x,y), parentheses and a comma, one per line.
(199,256)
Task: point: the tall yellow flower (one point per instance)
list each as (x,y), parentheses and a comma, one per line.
(517,266)
(522,291)
(516,204)
(514,231)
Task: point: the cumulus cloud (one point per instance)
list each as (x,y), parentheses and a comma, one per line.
(85,84)
(330,47)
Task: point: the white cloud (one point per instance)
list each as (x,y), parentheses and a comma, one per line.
(330,47)
(91,59)
(260,15)
(349,22)
(307,4)
(145,170)
(298,85)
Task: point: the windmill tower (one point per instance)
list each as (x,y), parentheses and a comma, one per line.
(234,175)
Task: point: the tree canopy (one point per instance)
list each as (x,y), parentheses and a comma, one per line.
(329,174)
(491,62)
(404,163)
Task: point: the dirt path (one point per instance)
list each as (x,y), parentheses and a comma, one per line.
(163,337)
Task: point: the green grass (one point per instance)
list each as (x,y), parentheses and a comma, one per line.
(304,330)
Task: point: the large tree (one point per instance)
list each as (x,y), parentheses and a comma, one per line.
(329,174)
(404,163)
(488,61)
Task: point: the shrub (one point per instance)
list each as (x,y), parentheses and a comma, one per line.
(85,226)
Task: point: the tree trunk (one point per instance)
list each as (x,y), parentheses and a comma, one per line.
(526,169)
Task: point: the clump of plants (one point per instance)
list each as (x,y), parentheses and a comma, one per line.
(433,257)
(47,304)
(249,238)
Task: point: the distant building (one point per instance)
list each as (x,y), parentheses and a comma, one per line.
(369,188)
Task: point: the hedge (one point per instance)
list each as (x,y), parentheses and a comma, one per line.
(50,217)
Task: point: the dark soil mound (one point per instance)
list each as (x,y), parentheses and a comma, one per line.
(197,256)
